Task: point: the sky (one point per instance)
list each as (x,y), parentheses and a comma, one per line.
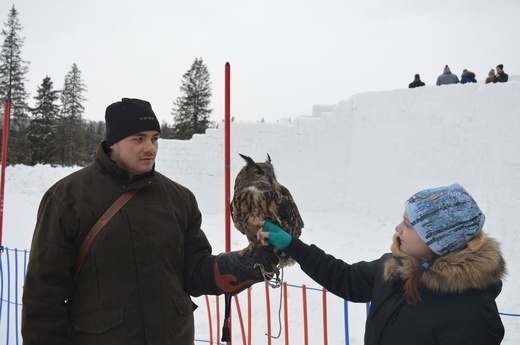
(285,56)
(350,172)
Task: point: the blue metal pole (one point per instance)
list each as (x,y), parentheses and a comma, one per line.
(345,316)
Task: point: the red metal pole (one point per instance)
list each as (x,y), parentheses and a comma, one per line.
(227,169)
(4,163)
(227,156)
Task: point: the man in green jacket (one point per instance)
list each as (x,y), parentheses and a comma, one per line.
(137,276)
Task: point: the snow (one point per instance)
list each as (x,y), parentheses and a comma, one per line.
(350,170)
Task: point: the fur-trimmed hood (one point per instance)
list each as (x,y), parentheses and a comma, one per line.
(477,266)
(468,74)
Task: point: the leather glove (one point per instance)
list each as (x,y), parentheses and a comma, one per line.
(236,271)
(277,237)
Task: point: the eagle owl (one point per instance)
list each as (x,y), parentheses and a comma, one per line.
(258,195)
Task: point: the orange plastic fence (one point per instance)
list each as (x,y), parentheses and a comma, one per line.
(324,302)
(305,322)
(286,313)
(246,335)
(268,313)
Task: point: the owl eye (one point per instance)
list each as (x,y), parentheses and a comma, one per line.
(259,172)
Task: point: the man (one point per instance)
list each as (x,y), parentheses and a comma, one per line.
(416,82)
(135,282)
(501,76)
(447,77)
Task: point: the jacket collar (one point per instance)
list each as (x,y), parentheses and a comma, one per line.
(478,266)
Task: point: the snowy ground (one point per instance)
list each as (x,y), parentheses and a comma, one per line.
(350,172)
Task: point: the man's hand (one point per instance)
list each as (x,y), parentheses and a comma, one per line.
(235,272)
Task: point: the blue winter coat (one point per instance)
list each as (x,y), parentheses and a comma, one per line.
(468,77)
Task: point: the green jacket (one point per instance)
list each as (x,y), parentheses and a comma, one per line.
(136,280)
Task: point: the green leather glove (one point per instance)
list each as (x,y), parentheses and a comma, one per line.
(236,271)
(277,237)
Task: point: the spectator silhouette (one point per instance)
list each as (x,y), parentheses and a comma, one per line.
(467,77)
(416,82)
(491,76)
(447,77)
(501,76)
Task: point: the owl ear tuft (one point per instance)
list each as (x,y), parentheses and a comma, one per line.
(268,159)
(247,159)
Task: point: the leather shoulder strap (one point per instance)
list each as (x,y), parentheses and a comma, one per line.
(105,218)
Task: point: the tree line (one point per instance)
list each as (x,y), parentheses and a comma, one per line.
(54,130)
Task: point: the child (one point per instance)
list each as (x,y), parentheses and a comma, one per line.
(437,286)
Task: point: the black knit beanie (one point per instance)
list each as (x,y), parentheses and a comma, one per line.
(128,117)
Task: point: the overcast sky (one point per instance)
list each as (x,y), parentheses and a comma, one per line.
(285,55)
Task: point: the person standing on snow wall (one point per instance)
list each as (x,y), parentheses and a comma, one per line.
(501,76)
(416,82)
(447,78)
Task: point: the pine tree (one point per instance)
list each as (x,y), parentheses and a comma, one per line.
(42,131)
(191,110)
(94,134)
(166,131)
(12,87)
(71,130)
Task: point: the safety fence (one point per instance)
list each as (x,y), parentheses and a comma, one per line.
(292,314)
(308,315)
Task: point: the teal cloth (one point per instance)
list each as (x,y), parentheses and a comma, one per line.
(277,236)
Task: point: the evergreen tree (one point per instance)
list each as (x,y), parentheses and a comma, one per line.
(12,87)
(166,131)
(71,129)
(94,134)
(191,110)
(42,130)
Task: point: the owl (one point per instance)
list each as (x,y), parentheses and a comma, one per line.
(259,195)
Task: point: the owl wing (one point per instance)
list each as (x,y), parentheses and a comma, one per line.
(234,208)
(287,212)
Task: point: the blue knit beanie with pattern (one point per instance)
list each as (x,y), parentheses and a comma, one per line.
(446,218)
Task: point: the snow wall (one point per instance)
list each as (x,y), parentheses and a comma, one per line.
(378,148)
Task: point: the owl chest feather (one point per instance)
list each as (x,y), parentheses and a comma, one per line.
(249,204)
